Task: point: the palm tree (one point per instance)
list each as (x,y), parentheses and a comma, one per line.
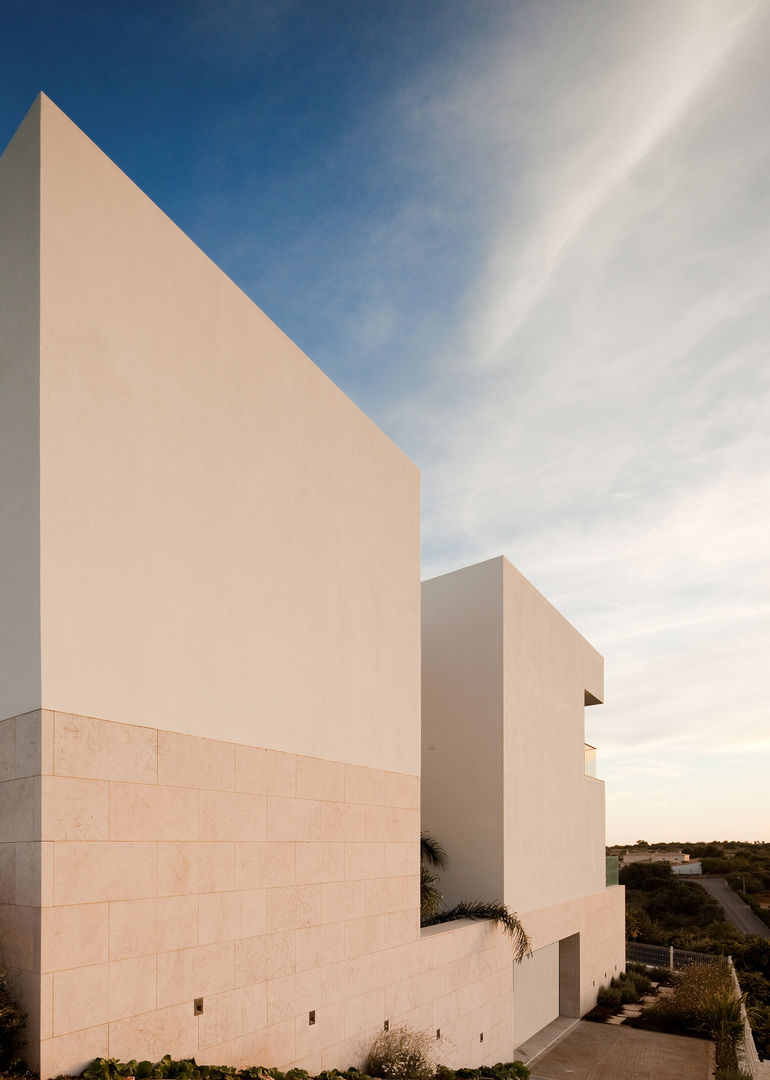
(434,857)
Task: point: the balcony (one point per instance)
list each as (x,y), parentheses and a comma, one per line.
(590,760)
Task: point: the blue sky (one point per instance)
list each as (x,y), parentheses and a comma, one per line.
(532,242)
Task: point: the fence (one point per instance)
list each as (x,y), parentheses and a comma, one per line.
(666,956)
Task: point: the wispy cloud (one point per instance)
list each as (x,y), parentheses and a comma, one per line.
(536,254)
(599,409)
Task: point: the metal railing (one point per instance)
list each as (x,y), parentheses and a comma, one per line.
(666,956)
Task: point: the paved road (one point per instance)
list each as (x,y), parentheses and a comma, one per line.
(738,913)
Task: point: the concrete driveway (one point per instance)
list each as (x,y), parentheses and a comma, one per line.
(738,913)
(611,1052)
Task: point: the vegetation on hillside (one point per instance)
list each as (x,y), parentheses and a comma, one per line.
(703,1003)
(663,909)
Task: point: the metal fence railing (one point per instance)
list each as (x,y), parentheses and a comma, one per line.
(667,956)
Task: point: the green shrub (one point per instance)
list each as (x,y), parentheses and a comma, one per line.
(626,989)
(641,981)
(413,1054)
(12,1021)
(660,975)
(662,1015)
(509,1070)
(632,985)
(609,996)
(759,1018)
(704,1001)
(721,1017)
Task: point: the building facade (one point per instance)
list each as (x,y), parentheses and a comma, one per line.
(210,747)
(506,680)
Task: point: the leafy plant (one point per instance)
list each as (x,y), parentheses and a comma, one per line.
(662,976)
(609,997)
(704,1001)
(12,1021)
(403,1054)
(416,1047)
(641,982)
(508,1070)
(432,857)
(432,852)
(499,913)
(721,1016)
(759,1018)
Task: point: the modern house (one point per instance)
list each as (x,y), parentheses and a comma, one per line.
(210,682)
(506,680)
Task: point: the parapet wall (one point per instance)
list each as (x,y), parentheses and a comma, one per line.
(161,868)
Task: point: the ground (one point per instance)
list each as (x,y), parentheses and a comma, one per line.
(603,1052)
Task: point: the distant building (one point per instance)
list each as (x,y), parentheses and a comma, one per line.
(676,858)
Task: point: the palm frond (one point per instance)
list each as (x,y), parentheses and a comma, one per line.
(432,852)
(430,896)
(499,913)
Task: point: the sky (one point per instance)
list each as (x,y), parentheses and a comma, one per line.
(532,241)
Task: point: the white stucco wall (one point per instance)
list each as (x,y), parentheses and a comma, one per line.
(598,920)
(535,992)
(230,546)
(19,427)
(462,727)
(504,685)
(554,816)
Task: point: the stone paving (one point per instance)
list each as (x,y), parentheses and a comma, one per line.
(606,1052)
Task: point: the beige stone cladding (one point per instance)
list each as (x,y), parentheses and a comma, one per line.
(595,926)
(156,868)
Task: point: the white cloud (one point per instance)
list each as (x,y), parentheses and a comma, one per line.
(601,413)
